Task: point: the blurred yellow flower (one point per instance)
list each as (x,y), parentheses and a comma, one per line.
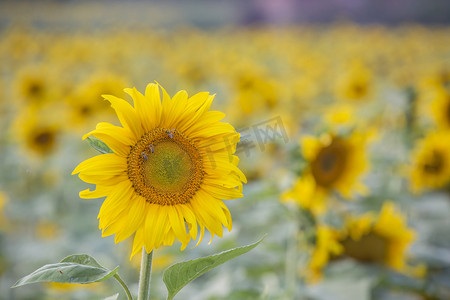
(441,108)
(369,238)
(334,164)
(340,114)
(383,239)
(36,85)
(46,230)
(356,83)
(86,102)
(431,162)
(37,130)
(172,164)
(255,91)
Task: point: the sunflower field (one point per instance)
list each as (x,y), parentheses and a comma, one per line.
(334,144)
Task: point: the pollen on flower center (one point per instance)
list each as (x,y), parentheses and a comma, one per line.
(169,168)
(165,167)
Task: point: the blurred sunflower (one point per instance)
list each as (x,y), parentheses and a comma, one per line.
(356,83)
(334,164)
(47,230)
(255,92)
(381,239)
(441,108)
(431,162)
(37,131)
(35,85)
(85,102)
(172,164)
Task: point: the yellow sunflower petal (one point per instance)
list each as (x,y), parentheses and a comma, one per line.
(144,109)
(99,192)
(178,225)
(154,98)
(138,242)
(126,114)
(190,219)
(104,164)
(119,133)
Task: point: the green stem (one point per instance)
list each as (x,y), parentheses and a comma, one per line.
(144,277)
(291,261)
(127,291)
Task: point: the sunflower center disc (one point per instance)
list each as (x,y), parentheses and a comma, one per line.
(165,167)
(435,163)
(168,168)
(370,248)
(330,163)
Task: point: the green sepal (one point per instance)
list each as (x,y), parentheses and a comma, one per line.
(98,145)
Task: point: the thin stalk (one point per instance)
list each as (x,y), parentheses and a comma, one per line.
(125,288)
(145,275)
(291,262)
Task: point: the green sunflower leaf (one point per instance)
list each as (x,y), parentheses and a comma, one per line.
(82,259)
(72,269)
(98,145)
(180,274)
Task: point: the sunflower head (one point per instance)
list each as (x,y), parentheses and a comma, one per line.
(356,83)
(171,167)
(34,85)
(376,239)
(383,239)
(431,162)
(37,132)
(336,162)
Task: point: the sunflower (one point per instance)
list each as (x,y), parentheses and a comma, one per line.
(37,131)
(356,83)
(441,108)
(171,166)
(85,102)
(34,85)
(335,163)
(431,162)
(383,239)
(369,238)
(255,91)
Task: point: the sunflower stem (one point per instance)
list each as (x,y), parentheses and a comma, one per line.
(291,258)
(145,275)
